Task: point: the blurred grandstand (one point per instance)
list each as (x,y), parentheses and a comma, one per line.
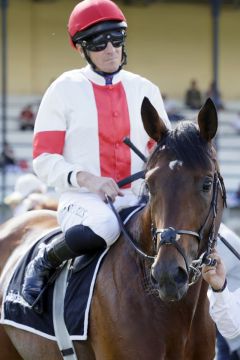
(235,3)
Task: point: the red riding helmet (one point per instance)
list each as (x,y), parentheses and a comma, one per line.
(93,16)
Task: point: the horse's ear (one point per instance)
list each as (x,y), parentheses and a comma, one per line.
(153,124)
(208,120)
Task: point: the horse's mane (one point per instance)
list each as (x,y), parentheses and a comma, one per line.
(186,144)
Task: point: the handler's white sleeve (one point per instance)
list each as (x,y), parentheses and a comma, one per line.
(225,311)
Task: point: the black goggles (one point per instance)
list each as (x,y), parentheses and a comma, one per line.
(99,42)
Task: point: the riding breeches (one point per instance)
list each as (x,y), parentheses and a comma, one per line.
(89,210)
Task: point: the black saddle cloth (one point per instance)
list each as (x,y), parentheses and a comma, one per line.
(80,286)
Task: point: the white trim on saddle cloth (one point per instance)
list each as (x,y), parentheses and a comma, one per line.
(19,299)
(125,221)
(86,316)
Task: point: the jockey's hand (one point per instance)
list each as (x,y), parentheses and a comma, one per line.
(214,275)
(103,186)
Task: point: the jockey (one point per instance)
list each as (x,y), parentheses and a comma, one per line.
(78,139)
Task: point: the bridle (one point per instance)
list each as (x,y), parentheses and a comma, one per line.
(170,236)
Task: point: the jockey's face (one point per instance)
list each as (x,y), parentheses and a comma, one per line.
(107,60)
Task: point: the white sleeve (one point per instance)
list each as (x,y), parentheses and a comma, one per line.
(49,137)
(225,312)
(54,171)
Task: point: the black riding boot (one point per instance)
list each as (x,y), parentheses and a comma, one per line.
(40,269)
(78,240)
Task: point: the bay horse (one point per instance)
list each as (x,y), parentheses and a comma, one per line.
(149,301)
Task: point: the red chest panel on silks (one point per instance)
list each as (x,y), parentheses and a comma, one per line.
(113,127)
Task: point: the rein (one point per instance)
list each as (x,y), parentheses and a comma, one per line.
(131,178)
(124,231)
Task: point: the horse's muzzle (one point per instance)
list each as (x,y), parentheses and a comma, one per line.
(172,283)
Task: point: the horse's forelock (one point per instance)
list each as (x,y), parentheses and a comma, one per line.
(186,145)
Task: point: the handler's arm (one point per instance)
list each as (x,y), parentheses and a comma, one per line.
(224,305)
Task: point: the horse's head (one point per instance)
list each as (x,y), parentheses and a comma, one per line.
(186,197)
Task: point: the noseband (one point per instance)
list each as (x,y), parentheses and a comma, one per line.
(171,236)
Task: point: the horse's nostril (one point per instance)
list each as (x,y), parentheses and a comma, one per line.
(181,276)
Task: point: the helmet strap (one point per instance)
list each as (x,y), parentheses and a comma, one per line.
(103,73)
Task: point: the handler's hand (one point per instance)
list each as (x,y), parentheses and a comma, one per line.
(214,275)
(103,186)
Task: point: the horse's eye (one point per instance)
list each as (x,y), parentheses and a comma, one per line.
(147,190)
(207,184)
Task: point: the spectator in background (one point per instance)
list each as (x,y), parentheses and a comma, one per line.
(171,109)
(234,198)
(27,118)
(236,123)
(238,194)
(193,97)
(7,157)
(29,194)
(10,163)
(215,95)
